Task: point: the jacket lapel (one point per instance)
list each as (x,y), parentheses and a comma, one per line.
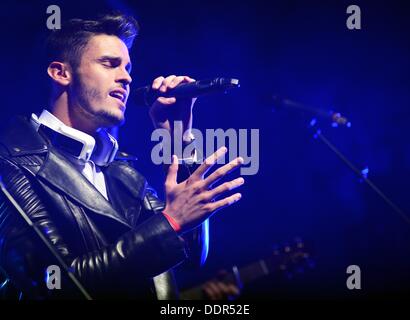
(71,182)
(126,189)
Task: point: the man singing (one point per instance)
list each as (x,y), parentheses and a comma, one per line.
(63,169)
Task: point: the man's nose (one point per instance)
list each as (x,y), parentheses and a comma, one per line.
(124,77)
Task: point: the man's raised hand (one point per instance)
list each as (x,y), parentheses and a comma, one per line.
(192,201)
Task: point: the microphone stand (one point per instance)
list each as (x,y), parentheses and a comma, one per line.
(338,119)
(48,244)
(360,173)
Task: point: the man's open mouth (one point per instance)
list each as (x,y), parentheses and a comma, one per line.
(120,95)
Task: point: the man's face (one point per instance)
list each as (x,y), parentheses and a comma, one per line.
(100,85)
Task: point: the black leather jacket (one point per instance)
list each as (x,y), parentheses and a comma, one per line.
(115,247)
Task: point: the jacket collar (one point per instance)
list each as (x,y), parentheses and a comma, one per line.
(21,138)
(101,149)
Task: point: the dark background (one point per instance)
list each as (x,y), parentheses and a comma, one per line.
(297,49)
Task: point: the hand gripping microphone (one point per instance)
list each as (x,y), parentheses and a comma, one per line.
(146,96)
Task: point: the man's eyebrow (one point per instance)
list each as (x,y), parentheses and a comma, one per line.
(104,58)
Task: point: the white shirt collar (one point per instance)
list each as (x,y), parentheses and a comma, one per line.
(101,150)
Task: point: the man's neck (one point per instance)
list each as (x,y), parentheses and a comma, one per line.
(74,117)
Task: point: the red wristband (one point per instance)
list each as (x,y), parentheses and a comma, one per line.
(172,222)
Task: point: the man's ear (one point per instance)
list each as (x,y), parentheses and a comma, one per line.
(60,72)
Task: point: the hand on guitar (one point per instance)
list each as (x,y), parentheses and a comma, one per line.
(220,289)
(286,261)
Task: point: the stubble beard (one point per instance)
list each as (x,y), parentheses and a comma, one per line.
(100,115)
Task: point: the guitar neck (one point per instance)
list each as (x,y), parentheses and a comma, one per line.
(245,275)
(283,259)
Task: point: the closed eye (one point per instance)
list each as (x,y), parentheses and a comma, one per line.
(110,62)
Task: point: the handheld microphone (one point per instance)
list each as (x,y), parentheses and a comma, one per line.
(145,96)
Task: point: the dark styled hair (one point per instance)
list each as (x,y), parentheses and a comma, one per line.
(67,44)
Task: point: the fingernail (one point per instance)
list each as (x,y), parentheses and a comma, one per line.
(240,160)
(241,180)
(224,149)
(238,197)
